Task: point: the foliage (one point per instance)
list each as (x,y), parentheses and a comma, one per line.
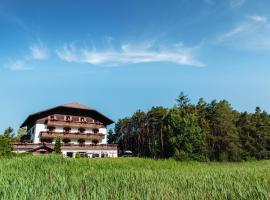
(77,155)
(110,136)
(54,177)
(22,136)
(205,131)
(57,146)
(9,132)
(6,146)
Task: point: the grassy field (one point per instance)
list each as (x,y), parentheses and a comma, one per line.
(53,177)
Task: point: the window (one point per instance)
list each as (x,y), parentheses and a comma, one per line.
(83,154)
(52,117)
(95,130)
(51,128)
(95,141)
(82,119)
(66,129)
(81,141)
(68,118)
(104,155)
(70,154)
(46,140)
(66,140)
(95,155)
(81,130)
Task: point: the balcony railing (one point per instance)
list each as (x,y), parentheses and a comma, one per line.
(75,124)
(28,146)
(62,135)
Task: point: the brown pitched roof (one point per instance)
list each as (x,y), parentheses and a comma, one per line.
(72,107)
(76,105)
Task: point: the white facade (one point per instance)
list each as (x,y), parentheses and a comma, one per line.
(36,129)
(82,129)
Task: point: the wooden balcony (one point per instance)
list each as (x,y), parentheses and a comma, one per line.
(74,124)
(62,135)
(69,146)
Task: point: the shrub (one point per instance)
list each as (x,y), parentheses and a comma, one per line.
(57,146)
(6,146)
(77,155)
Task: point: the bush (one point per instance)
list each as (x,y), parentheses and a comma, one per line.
(77,155)
(6,146)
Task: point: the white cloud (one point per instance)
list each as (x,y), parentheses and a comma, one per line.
(129,54)
(251,33)
(17,65)
(258,18)
(39,51)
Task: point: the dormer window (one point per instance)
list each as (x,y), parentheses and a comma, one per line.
(82,119)
(52,117)
(68,118)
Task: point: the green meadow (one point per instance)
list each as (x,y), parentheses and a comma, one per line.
(54,177)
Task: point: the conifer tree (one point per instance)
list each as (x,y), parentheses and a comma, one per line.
(57,146)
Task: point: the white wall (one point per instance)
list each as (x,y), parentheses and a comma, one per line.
(104,131)
(38,129)
(42,127)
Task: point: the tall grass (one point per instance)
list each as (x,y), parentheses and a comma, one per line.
(53,177)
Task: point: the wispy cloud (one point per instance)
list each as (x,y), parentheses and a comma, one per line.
(37,51)
(252,33)
(258,18)
(129,53)
(17,65)
(237,3)
(233,4)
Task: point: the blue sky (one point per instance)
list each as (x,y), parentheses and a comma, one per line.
(120,56)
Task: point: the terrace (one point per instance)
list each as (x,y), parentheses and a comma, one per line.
(28,146)
(78,135)
(75,124)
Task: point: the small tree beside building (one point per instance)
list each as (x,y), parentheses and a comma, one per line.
(57,146)
(6,146)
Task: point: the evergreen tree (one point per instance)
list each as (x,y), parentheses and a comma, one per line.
(224,138)
(6,146)
(185,135)
(110,137)
(9,132)
(205,131)
(57,145)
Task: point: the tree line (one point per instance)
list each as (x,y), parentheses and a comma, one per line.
(7,138)
(203,131)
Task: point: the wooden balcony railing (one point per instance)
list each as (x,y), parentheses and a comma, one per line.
(75,124)
(27,146)
(62,135)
